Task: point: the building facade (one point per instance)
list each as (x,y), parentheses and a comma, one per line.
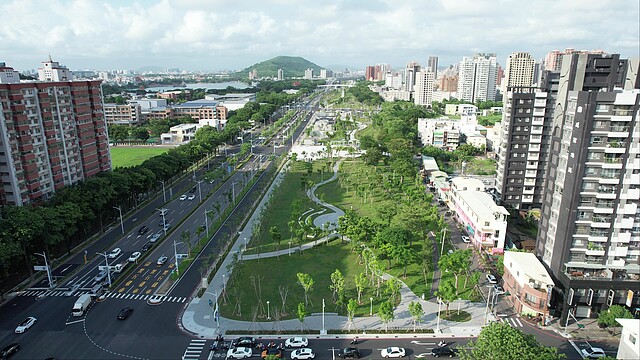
(520,70)
(123,114)
(52,134)
(424,88)
(53,71)
(477,78)
(432,65)
(528,283)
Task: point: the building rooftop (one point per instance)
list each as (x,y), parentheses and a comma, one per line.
(429,163)
(531,266)
(197,103)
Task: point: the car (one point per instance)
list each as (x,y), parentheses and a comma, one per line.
(72,290)
(245,341)
(271,352)
(114,253)
(183,197)
(166,226)
(161,260)
(498,289)
(124,313)
(26,325)
(444,351)
(592,353)
(147,246)
(392,352)
(301,354)
(143,230)
(465,239)
(193,189)
(155,237)
(191,197)
(135,256)
(239,352)
(101,275)
(492,279)
(349,353)
(9,350)
(297,342)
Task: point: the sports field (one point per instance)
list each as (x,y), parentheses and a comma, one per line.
(122,156)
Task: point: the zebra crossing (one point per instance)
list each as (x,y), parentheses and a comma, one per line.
(112,295)
(195,348)
(513,322)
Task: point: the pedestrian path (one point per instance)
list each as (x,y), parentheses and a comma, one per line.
(329,218)
(195,348)
(110,295)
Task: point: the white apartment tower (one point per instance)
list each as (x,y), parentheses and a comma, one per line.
(308,74)
(280,75)
(520,69)
(53,71)
(477,78)
(424,87)
(8,75)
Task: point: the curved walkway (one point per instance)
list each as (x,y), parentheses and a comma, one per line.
(331,218)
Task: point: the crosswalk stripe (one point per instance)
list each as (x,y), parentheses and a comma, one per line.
(518,321)
(136,296)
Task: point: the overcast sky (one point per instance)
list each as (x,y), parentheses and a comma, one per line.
(221,34)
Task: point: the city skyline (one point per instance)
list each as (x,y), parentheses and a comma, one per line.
(218,35)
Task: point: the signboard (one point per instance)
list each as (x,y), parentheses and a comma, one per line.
(590,293)
(610,297)
(629,298)
(570,297)
(39,268)
(549,291)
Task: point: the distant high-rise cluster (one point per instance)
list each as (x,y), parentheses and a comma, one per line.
(376,72)
(553,60)
(477,78)
(52,133)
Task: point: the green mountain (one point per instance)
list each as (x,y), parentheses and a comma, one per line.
(293,66)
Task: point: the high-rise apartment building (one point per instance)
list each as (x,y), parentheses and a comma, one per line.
(424,88)
(477,78)
(52,134)
(432,65)
(370,73)
(589,232)
(520,69)
(410,75)
(308,74)
(53,71)
(553,60)
(280,74)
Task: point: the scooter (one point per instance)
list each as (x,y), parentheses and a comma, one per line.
(354,341)
(442,344)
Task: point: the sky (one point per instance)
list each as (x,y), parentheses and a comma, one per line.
(213,35)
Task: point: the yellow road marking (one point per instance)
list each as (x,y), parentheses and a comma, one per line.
(134,276)
(121,290)
(142,284)
(154,285)
(128,283)
(147,277)
(135,291)
(141,270)
(153,271)
(148,291)
(147,263)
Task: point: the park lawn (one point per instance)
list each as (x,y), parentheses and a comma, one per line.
(131,156)
(464,292)
(478,166)
(279,212)
(318,262)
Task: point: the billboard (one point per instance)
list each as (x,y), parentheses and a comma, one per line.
(629,298)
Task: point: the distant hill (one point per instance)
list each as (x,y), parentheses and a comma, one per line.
(293,66)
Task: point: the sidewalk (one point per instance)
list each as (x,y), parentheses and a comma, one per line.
(198,317)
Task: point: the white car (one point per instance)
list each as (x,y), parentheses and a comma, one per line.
(25,325)
(498,289)
(114,253)
(155,237)
(593,353)
(191,197)
(392,352)
(304,353)
(72,290)
(296,342)
(492,279)
(239,353)
(161,260)
(183,197)
(135,256)
(465,239)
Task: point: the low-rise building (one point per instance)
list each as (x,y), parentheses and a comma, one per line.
(442,133)
(200,109)
(480,217)
(460,109)
(391,95)
(146,104)
(629,346)
(123,114)
(528,283)
(180,134)
(232,101)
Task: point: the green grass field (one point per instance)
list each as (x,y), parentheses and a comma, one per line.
(131,156)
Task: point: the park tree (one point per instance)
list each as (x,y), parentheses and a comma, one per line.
(306,281)
(275,235)
(352,305)
(609,316)
(361,281)
(499,341)
(385,313)
(186,239)
(392,289)
(415,309)
(337,284)
(447,293)
(456,263)
(302,313)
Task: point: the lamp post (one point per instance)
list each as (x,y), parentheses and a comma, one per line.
(224,283)
(164,222)
(175,254)
(164,194)
(371,307)
(233,189)
(121,222)
(459,301)
(245,244)
(206,221)
(486,310)
(199,190)
(106,261)
(438,318)
(268,315)
(444,232)
(289,248)
(323,332)
(46,264)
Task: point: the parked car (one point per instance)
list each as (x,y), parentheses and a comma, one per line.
(155,237)
(271,352)
(143,230)
(245,341)
(297,342)
(465,239)
(135,256)
(392,352)
(239,353)
(191,197)
(124,313)
(444,351)
(161,260)
(302,354)
(498,289)
(114,253)
(492,279)
(592,353)
(183,197)
(9,350)
(101,275)
(147,246)
(72,290)
(26,325)
(349,353)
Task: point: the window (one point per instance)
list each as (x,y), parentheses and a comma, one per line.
(632,339)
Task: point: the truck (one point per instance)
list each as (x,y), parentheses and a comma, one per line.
(81,305)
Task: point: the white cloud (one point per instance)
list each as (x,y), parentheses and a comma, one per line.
(216,34)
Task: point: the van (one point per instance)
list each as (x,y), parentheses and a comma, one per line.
(97,290)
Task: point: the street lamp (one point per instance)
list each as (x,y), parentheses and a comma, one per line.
(106,261)
(121,223)
(233,189)
(199,190)
(486,310)
(371,307)
(289,248)
(206,221)
(164,222)
(444,232)
(268,315)
(175,255)
(438,318)
(46,264)
(164,194)
(224,283)
(323,332)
